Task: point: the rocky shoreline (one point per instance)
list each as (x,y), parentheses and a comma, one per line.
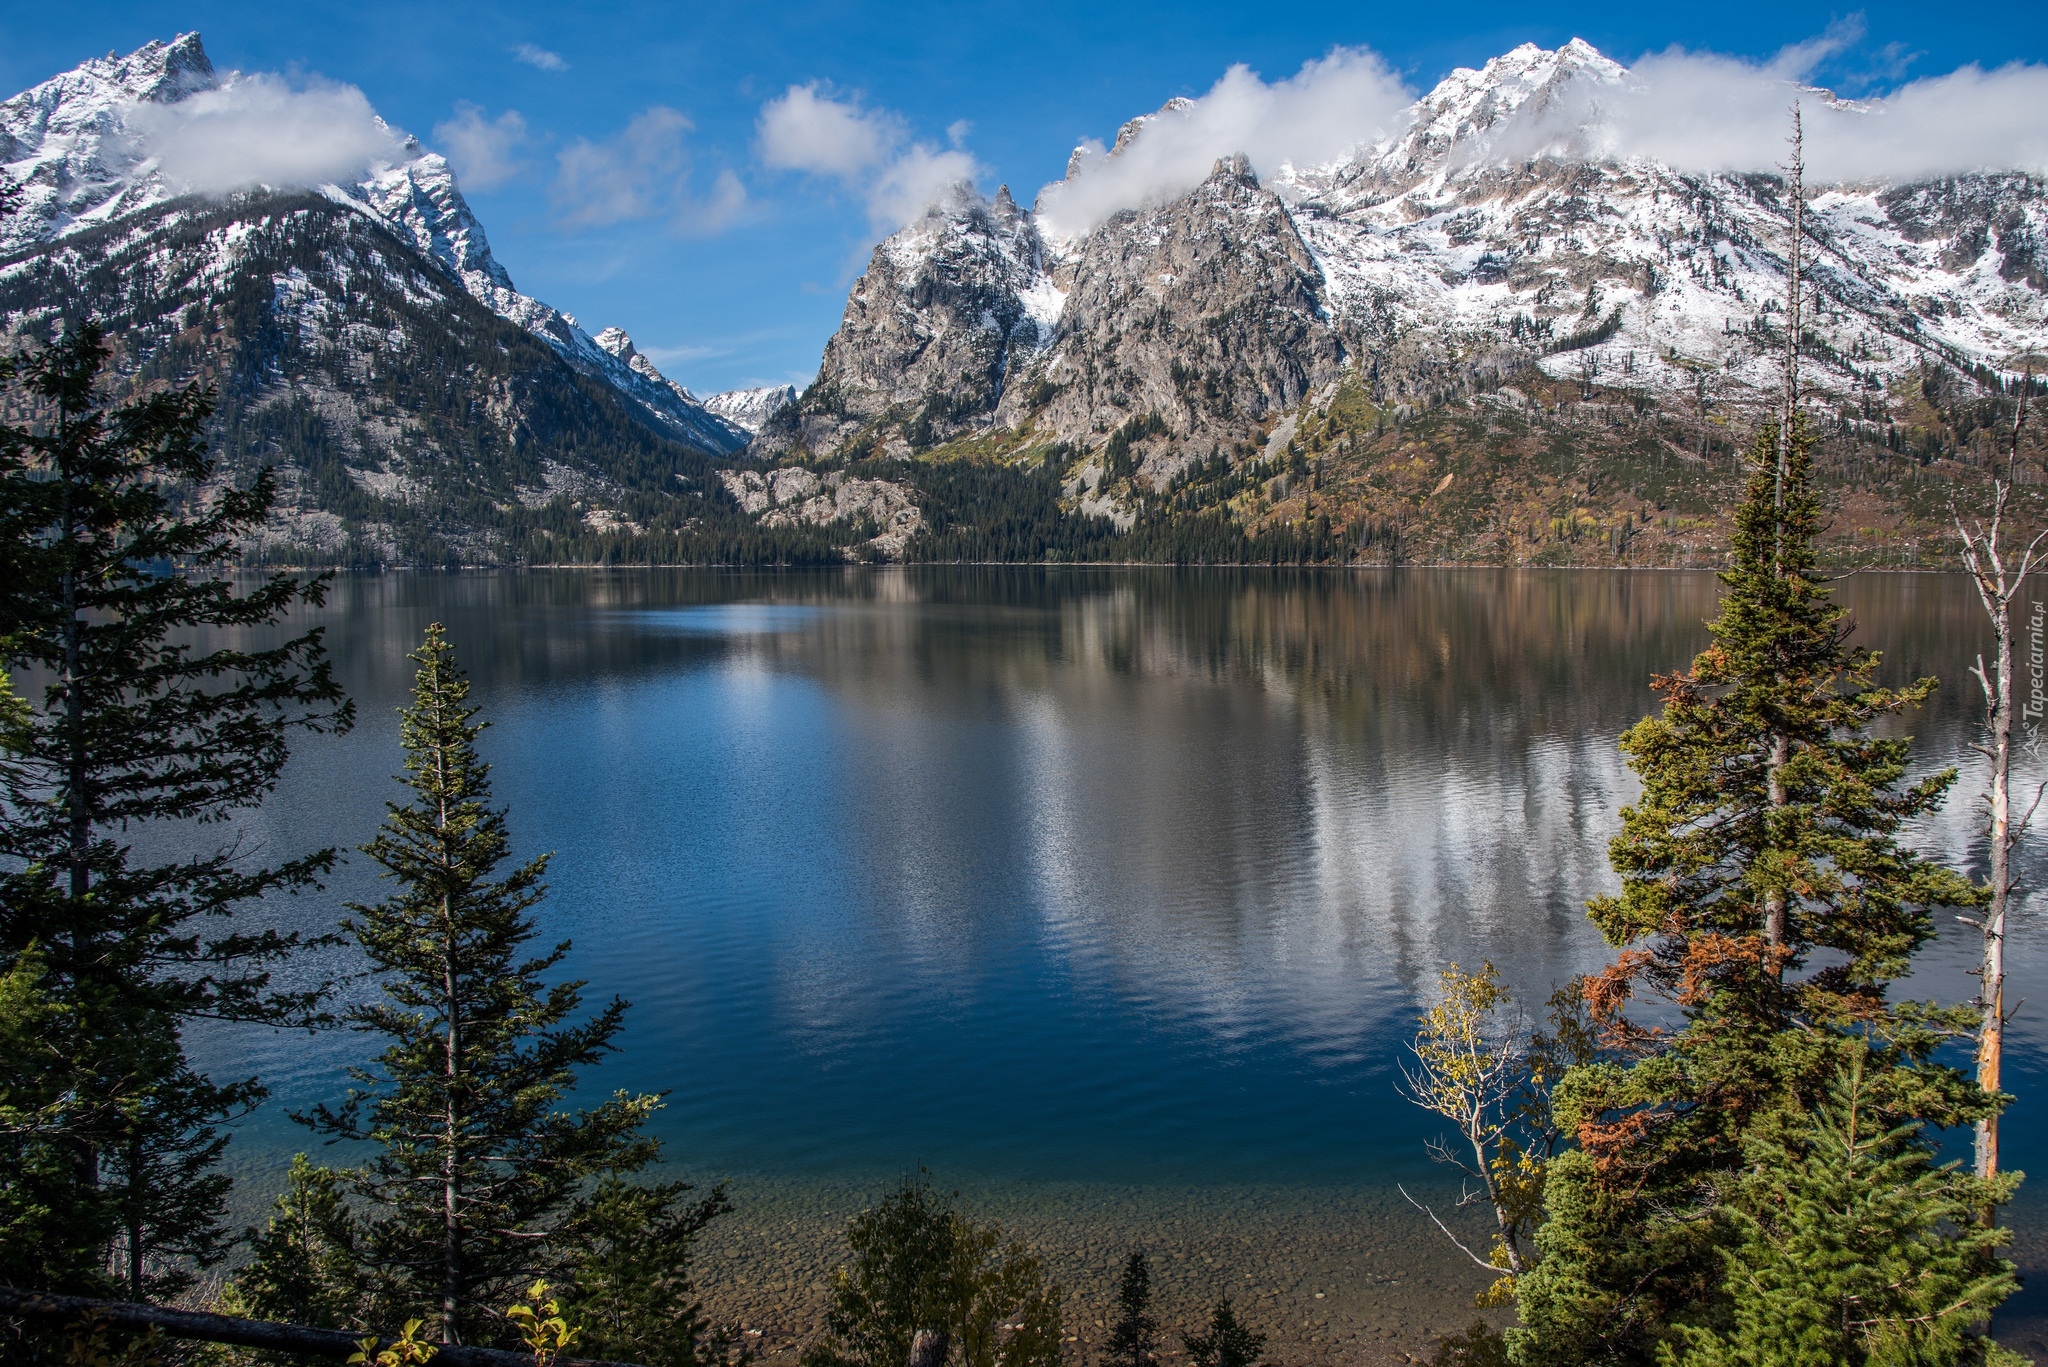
(1335,1277)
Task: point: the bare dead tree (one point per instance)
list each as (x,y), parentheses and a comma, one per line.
(1470,1062)
(1794,265)
(1781,749)
(1999,577)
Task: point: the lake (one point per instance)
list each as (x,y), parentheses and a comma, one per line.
(1108,896)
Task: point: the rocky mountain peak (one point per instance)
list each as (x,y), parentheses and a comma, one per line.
(1462,121)
(944,311)
(1128,134)
(1496,229)
(157,71)
(87,163)
(67,142)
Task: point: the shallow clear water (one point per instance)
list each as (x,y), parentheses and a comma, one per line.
(1122,877)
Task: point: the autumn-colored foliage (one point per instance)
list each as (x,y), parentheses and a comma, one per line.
(1767,907)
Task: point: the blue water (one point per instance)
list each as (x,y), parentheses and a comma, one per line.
(1033,875)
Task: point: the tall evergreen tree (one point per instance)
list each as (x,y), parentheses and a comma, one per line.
(479,1183)
(1767,897)
(1134,1338)
(115,542)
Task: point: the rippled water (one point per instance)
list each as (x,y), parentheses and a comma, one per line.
(1056,876)
(1053,874)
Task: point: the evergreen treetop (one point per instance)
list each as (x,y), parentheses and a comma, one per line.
(1766,896)
(1227,1343)
(1850,1246)
(478,1178)
(920,1266)
(1134,1338)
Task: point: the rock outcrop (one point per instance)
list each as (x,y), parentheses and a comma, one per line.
(1205,312)
(932,332)
(792,497)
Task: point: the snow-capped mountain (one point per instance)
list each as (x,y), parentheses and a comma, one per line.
(750,409)
(1501,223)
(84,146)
(1499,210)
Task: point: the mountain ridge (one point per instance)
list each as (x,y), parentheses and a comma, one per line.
(1494,229)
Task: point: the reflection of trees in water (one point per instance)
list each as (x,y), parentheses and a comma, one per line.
(1269,800)
(1275,797)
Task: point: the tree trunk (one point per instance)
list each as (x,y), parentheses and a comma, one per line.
(451,1169)
(1991,1034)
(1775,927)
(929,1348)
(452,1288)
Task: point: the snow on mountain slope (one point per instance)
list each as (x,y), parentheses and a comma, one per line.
(87,146)
(1498,215)
(750,409)
(1501,222)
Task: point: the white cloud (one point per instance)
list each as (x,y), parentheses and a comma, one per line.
(869,150)
(1330,107)
(642,172)
(539,57)
(1705,112)
(484,152)
(805,129)
(914,181)
(723,207)
(257,130)
(1697,111)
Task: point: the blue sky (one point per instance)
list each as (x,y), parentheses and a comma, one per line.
(641,193)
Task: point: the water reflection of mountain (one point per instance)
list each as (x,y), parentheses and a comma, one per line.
(1280,800)
(905,843)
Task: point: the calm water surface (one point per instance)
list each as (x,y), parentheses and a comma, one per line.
(1054,875)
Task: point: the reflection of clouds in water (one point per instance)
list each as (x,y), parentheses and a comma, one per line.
(1457,858)
(875,854)
(725,619)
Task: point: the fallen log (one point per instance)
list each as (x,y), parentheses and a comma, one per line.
(282,1338)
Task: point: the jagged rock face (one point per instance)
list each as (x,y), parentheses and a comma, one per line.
(945,310)
(66,143)
(1494,228)
(1205,311)
(791,497)
(1497,222)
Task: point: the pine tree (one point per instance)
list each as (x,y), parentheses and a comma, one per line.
(926,1284)
(479,1183)
(1766,839)
(1850,1246)
(305,1266)
(112,585)
(632,1295)
(1134,1339)
(1227,1343)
